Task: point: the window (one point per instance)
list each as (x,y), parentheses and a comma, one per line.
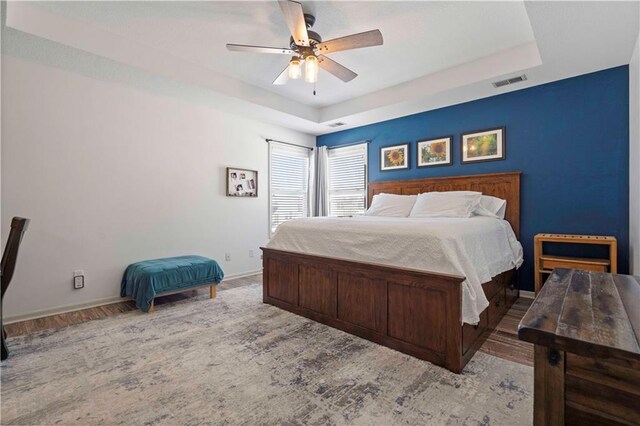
(288,183)
(347,170)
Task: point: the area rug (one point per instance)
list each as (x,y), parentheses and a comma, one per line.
(235,360)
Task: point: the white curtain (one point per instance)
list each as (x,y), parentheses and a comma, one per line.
(318,190)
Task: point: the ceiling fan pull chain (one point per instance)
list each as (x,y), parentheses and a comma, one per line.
(314,89)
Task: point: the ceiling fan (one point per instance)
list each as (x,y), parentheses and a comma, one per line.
(307,47)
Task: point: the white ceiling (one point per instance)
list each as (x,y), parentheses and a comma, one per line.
(419,37)
(434,53)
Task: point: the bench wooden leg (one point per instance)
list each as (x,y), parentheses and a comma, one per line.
(152,308)
(212,292)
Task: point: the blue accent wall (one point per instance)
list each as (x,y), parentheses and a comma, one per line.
(569,138)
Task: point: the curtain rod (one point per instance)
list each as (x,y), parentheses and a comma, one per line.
(351,144)
(289,143)
(367,141)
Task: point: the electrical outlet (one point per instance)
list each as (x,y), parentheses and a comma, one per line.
(227,257)
(250,253)
(78,279)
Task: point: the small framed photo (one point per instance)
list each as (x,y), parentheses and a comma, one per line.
(484,145)
(242,182)
(435,152)
(394,157)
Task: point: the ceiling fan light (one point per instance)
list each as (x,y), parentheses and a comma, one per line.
(295,68)
(310,69)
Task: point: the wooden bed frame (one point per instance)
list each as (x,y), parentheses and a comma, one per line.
(415,312)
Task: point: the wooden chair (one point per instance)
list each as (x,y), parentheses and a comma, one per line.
(18,227)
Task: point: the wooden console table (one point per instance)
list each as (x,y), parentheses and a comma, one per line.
(544,264)
(586,330)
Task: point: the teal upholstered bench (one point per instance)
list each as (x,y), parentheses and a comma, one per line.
(143,281)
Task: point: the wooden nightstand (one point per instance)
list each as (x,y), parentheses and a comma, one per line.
(544,264)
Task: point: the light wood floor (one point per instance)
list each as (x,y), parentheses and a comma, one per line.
(502,343)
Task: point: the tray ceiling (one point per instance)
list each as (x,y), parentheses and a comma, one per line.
(434,53)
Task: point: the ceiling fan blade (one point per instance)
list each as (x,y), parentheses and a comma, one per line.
(258,49)
(293,14)
(282,78)
(342,72)
(354,41)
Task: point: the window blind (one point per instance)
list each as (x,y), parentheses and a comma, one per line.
(347,170)
(288,183)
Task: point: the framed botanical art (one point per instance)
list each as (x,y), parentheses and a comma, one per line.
(434,152)
(484,145)
(242,182)
(394,157)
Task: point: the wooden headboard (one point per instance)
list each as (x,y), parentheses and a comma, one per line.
(501,185)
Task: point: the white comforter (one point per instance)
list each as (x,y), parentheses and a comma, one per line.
(477,248)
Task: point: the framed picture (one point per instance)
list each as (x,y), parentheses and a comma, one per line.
(434,152)
(242,182)
(394,157)
(484,145)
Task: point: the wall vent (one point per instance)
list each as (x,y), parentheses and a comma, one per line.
(337,124)
(509,81)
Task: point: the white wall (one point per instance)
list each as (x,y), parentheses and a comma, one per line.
(2,13)
(634,160)
(111,175)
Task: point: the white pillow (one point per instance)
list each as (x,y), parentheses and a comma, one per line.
(492,207)
(446,204)
(391,205)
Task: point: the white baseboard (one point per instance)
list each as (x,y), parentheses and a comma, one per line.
(91,304)
(61,310)
(527,294)
(243,274)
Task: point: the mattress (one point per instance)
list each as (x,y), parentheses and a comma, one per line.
(477,248)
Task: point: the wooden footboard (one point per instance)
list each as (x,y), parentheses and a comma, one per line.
(415,312)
